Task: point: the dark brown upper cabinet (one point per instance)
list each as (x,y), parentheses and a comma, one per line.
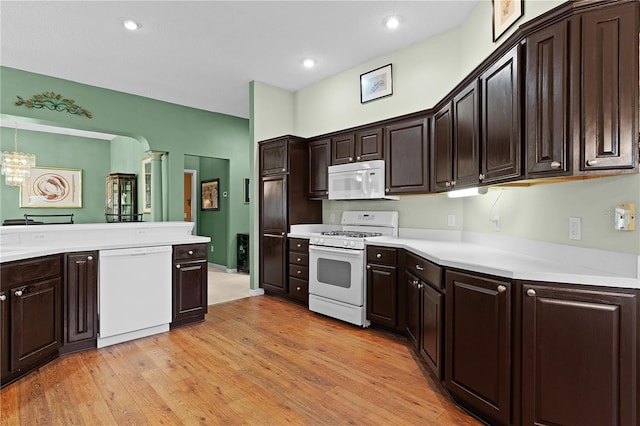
(363,145)
(609,88)
(407,157)
(546,103)
(274,157)
(501,158)
(454,142)
(319,161)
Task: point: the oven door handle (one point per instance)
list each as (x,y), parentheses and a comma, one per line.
(335,250)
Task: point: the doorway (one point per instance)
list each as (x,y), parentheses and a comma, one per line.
(190,200)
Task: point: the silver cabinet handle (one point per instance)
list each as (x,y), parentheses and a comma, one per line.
(284,170)
(299,245)
(419,268)
(3,297)
(368,266)
(453,183)
(358,158)
(299,259)
(386,190)
(190,252)
(89,258)
(350,158)
(299,271)
(178,266)
(415,282)
(592,162)
(283,233)
(482,176)
(326,193)
(18,293)
(556,164)
(501,289)
(378,256)
(447,184)
(420,286)
(531,292)
(298,288)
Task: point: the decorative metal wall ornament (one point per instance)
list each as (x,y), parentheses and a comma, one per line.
(53,102)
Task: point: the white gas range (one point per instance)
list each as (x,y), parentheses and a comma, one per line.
(337,264)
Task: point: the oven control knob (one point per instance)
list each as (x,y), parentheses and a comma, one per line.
(345,243)
(352,244)
(321,241)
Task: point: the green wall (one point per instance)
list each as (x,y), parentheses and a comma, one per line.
(174,129)
(60,151)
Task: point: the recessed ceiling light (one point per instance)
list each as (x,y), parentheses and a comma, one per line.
(392,22)
(131,25)
(309,62)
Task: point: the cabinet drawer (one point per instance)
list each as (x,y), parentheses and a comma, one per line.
(301,272)
(299,289)
(384,255)
(190,252)
(425,270)
(299,245)
(301,259)
(22,272)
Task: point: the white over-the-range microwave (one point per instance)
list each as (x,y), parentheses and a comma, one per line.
(364,180)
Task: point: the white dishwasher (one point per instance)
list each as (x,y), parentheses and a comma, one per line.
(134,297)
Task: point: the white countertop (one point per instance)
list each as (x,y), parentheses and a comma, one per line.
(514,259)
(23,242)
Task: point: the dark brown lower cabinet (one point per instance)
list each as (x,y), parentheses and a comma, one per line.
(579,350)
(80,302)
(5,344)
(478,345)
(273,261)
(413,307)
(382,290)
(189,284)
(31,314)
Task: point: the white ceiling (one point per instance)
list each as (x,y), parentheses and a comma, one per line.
(203,54)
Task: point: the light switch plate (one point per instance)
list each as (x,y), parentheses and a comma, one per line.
(575,228)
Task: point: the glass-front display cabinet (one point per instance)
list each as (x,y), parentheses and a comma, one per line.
(122,198)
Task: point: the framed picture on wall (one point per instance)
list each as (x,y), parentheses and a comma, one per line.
(54,188)
(505,14)
(376,84)
(210,192)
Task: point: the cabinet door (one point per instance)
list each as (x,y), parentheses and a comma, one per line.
(273,157)
(579,356)
(478,345)
(501,157)
(382,290)
(36,321)
(81,290)
(413,307)
(273,200)
(406,156)
(546,123)
(343,149)
(432,328)
(189,291)
(466,148)
(319,161)
(442,149)
(5,343)
(369,145)
(273,262)
(610,87)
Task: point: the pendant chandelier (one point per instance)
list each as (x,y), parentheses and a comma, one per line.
(16,166)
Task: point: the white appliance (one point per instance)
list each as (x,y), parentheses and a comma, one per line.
(134,296)
(364,180)
(337,264)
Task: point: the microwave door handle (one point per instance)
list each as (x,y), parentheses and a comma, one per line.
(365,182)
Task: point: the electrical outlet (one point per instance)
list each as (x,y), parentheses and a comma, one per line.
(211,249)
(575,228)
(497,223)
(451,220)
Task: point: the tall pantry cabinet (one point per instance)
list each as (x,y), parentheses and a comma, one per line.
(284,174)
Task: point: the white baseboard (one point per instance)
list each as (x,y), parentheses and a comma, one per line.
(256,292)
(224,268)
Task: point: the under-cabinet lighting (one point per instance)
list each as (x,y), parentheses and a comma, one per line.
(131,25)
(309,62)
(467,192)
(392,22)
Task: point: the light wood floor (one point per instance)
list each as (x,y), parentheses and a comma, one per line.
(257,360)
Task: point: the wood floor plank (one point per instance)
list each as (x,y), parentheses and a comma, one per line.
(257,360)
